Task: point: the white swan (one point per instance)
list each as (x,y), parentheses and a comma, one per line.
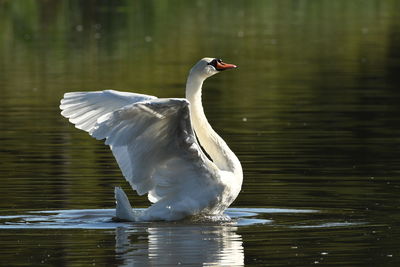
(154,143)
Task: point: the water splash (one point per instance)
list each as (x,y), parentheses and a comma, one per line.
(103,218)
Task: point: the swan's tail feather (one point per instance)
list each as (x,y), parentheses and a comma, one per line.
(123,210)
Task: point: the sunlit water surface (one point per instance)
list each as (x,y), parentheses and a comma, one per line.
(210,241)
(312,112)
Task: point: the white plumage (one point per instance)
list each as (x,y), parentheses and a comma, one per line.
(154,143)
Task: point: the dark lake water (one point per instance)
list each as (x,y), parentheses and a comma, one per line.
(313,113)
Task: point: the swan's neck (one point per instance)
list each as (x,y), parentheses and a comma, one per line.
(212,143)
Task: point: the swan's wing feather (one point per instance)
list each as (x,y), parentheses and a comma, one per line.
(155,147)
(84,108)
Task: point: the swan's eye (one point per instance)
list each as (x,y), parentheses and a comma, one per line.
(215,63)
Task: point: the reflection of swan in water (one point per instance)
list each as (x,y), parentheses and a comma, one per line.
(180,245)
(154,142)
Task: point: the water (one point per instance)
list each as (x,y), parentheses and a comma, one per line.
(312,112)
(212,243)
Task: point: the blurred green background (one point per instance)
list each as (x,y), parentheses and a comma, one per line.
(316,90)
(316,87)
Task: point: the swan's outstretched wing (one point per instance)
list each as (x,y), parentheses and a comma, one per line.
(155,147)
(84,108)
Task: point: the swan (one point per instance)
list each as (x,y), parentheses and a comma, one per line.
(157,143)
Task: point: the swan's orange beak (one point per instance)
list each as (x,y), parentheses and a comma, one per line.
(224,66)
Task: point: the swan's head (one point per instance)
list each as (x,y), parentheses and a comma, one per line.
(207,67)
